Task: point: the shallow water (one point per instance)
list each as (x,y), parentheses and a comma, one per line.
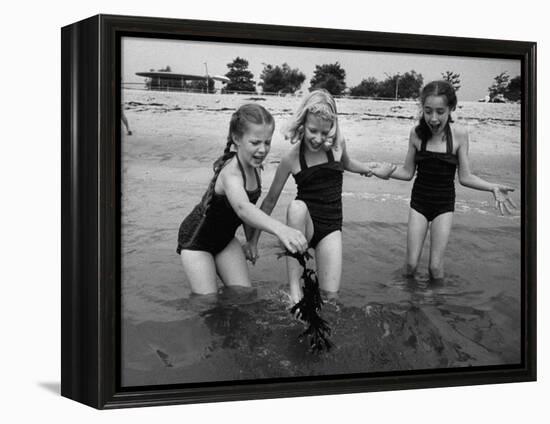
(381,321)
(259,339)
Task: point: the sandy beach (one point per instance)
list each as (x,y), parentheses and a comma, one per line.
(380,322)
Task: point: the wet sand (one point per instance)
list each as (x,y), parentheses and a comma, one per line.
(381,322)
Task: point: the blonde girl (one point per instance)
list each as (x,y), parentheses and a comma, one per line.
(317,161)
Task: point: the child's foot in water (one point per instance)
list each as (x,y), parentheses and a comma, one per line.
(436,279)
(409,271)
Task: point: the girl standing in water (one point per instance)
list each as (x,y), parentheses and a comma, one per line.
(206,239)
(317,161)
(435,151)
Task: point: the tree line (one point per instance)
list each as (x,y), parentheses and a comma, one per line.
(505,88)
(283,79)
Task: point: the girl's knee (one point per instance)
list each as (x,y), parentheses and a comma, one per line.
(296,207)
(296,212)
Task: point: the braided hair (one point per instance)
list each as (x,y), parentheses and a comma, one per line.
(247,113)
(436,88)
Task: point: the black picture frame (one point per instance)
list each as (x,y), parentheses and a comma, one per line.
(90,206)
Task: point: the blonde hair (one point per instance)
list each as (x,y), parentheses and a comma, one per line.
(321,104)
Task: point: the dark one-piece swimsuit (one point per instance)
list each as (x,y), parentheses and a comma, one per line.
(433,191)
(320,188)
(212,232)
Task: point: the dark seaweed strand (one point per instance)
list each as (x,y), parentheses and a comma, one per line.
(308,308)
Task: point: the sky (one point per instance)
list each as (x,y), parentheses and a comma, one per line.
(143,54)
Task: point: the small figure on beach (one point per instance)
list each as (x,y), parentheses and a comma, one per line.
(317,161)
(435,151)
(206,240)
(125,122)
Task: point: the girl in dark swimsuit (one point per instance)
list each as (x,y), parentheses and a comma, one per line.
(317,162)
(435,151)
(206,238)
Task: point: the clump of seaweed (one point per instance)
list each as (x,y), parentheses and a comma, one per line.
(308,308)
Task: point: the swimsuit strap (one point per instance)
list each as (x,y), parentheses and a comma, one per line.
(449,135)
(303,164)
(330,155)
(242,170)
(258,182)
(423,145)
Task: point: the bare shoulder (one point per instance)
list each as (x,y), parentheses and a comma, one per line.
(230,174)
(460,135)
(460,131)
(230,169)
(414,140)
(339,150)
(342,146)
(291,158)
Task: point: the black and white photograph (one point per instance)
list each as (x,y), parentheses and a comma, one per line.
(296,212)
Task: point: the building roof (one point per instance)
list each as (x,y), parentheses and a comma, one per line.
(173,75)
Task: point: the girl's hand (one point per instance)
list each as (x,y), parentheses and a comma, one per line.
(503,202)
(371,165)
(384,170)
(251,252)
(293,240)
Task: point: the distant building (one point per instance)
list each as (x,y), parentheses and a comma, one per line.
(165,80)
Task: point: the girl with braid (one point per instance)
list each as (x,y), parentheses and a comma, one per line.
(317,162)
(206,239)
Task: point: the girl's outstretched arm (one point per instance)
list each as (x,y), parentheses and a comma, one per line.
(466,178)
(381,170)
(405,172)
(279,180)
(233,186)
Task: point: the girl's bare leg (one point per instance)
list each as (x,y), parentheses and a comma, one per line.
(416,234)
(297,217)
(231,265)
(328,258)
(200,269)
(439,236)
